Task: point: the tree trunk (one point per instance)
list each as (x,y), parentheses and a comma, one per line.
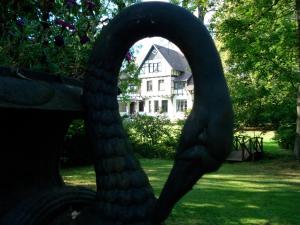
(201,12)
(297,140)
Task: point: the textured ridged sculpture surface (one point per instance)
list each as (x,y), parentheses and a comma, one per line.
(124,195)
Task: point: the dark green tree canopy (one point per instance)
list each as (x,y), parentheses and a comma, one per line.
(258,42)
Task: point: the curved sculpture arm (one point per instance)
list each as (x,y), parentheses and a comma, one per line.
(207,134)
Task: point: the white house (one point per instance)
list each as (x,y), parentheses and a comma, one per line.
(166,85)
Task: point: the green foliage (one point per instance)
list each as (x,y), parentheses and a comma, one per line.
(152,137)
(285,135)
(76,147)
(158,151)
(76,128)
(53,36)
(201,6)
(149,128)
(258,44)
(129,82)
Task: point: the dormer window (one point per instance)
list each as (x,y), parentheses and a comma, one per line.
(175,72)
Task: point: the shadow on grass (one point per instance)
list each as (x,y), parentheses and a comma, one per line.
(264,192)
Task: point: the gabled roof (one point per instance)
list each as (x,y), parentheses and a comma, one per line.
(184,77)
(176,60)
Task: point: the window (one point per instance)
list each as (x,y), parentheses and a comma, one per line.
(132,108)
(150,107)
(161,85)
(175,72)
(132,88)
(154,67)
(149,85)
(156,106)
(164,106)
(181,105)
(179,85)
(141,106)
(151,68)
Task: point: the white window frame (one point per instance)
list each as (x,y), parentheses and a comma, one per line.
(181,105)
(149,85)
(161,85)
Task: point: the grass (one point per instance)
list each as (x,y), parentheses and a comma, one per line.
(265,192)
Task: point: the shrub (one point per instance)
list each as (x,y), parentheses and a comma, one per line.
(152,137)
(285,135)
(148,129)
(159,151)
(76,128)
(76,151)
(76,147)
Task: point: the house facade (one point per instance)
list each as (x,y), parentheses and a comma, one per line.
(166,85)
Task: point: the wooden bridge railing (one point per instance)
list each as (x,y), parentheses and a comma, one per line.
(251,147)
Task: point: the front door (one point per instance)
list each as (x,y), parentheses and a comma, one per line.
(132,108)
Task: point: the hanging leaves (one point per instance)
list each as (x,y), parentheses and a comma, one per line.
(52,35)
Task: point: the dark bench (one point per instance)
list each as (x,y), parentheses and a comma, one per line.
(36,110)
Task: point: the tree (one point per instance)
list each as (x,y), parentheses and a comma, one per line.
(53,36)
(297,139)
(201,6)
(258,39)
(129,81)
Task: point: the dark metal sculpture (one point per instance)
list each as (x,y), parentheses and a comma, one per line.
(124,194)
(34,122)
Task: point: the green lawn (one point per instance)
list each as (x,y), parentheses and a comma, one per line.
(263,192)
